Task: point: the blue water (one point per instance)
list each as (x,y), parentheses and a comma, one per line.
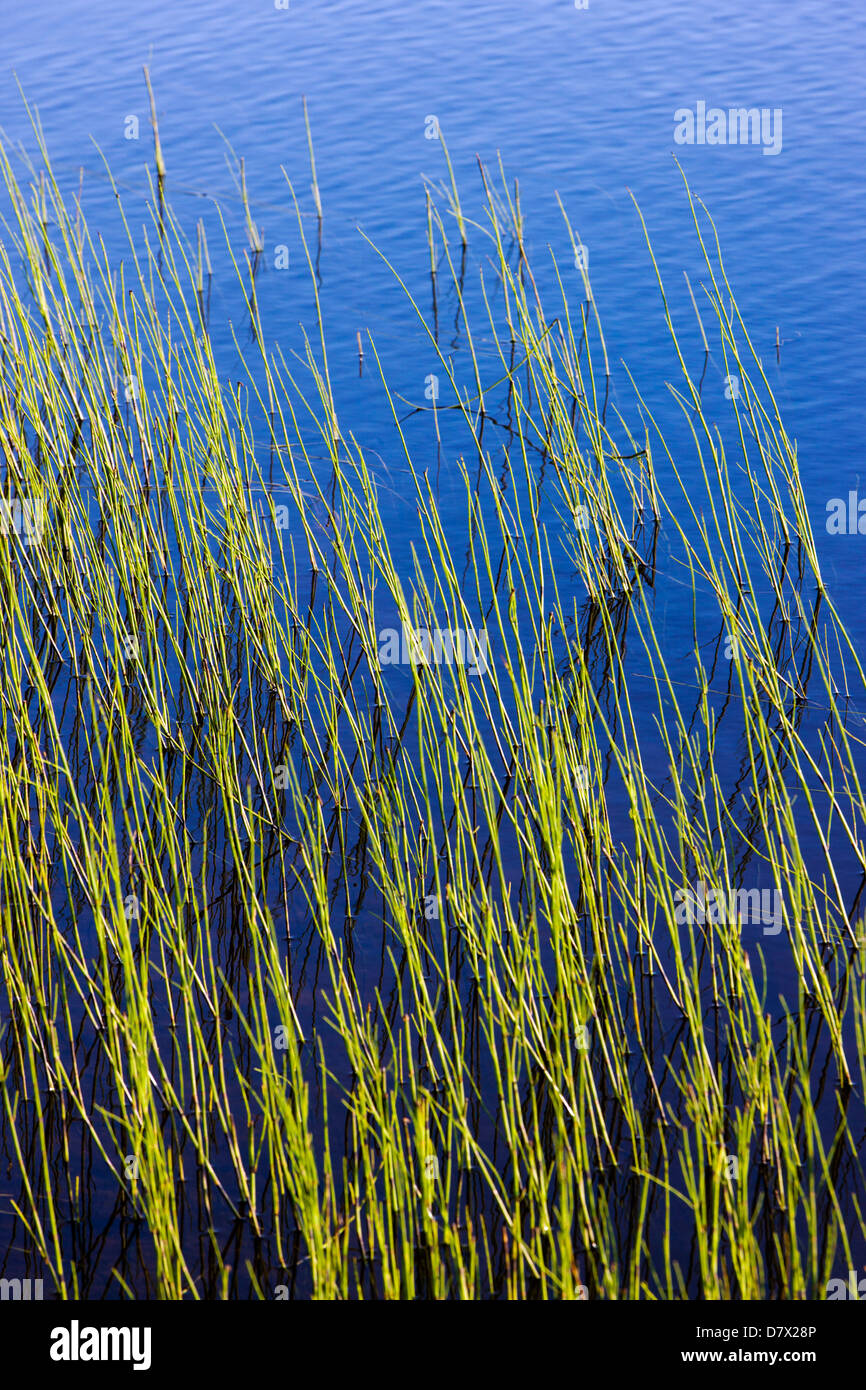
(579,102)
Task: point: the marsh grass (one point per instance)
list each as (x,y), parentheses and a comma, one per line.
(238,1048)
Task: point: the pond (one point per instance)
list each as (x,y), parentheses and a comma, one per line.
(433,838)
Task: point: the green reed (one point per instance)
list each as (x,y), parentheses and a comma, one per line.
(547,1088)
